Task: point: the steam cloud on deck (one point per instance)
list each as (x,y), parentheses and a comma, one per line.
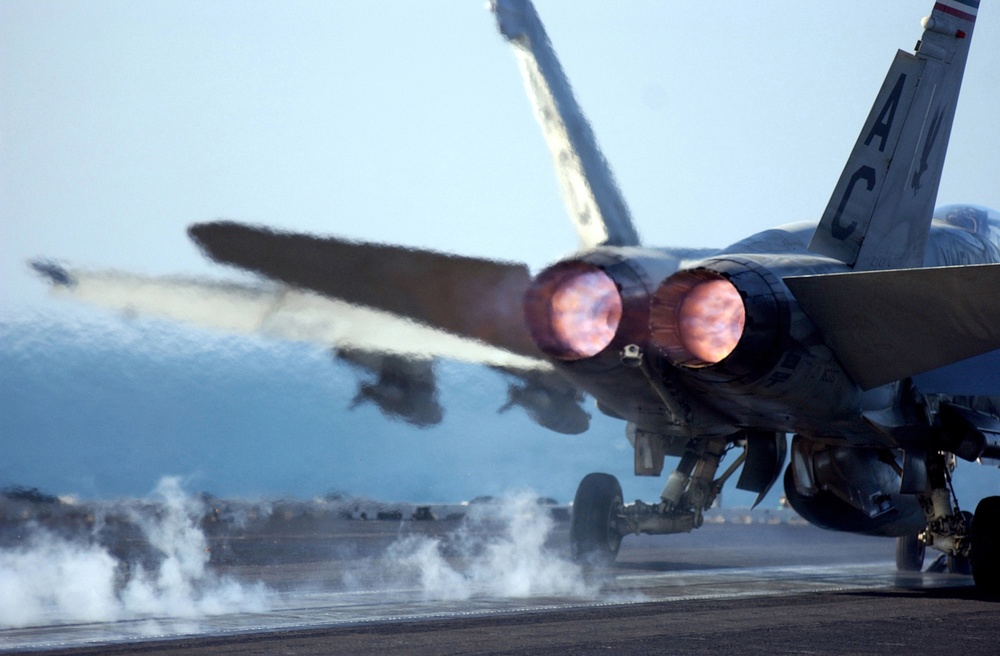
(510,561)
(159,559)
(57,579)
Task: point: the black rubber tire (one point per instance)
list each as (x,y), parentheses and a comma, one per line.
(960,565)
(909,554)
(985,555)
(593,532)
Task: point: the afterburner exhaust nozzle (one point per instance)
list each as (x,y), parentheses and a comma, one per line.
(573,310)
(697,318)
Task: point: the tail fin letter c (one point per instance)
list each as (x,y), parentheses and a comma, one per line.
(838,230)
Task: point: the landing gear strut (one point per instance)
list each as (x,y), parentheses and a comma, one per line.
(600,519)
(948,528)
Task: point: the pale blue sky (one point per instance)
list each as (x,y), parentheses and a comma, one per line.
(123,122)
(405,122)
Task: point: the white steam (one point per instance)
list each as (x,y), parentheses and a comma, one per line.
(52,579)
(481,561)
(500,551)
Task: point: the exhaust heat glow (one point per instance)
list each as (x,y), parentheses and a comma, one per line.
(711,320)
(585,312)
(696,318)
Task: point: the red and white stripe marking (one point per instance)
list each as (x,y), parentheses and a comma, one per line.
(964,9)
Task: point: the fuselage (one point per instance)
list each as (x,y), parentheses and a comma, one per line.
(778,375)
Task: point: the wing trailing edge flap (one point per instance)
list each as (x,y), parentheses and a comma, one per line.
(468,297)
(889,325)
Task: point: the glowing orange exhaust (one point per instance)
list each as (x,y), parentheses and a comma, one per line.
(573,311)
(697,318)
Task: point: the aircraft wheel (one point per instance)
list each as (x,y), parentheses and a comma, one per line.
(986,546)
(594,536)
(909,553)
(959,565)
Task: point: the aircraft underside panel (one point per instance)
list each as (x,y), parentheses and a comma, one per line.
(850,489)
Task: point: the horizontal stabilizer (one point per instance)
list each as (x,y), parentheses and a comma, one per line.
(474,298)
(889,325)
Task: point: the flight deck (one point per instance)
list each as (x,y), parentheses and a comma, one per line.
(350,582)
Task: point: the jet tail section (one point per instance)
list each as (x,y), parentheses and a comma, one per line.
(589,191)
(889,325)
(880,212)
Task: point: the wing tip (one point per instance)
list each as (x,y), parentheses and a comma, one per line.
(514,18)
(52,272)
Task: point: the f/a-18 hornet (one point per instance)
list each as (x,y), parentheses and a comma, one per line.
(818,330)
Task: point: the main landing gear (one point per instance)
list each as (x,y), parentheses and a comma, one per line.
(970,543)
(980,557)
(598,512)
(600,518)
(910,553)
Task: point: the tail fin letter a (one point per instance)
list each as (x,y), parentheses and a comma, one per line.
(884,122)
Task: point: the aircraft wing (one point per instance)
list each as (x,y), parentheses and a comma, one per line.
(397,353)
(472,298)
(274,310)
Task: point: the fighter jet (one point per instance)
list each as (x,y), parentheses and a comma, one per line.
(870,336)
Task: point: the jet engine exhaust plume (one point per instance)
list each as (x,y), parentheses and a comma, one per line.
(573,310)
(697,318)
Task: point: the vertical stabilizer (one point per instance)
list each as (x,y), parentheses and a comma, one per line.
(880,212)
(588,188)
